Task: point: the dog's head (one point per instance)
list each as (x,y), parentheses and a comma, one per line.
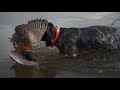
(49,35)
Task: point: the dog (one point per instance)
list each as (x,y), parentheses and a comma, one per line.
(74,41)
(70,41)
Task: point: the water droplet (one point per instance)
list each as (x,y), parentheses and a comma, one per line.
(100,71)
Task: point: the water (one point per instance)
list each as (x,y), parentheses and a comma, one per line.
(52,63)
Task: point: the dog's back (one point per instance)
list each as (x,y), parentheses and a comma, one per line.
(88,38)
(95,37)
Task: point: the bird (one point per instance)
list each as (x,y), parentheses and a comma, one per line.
(26,36)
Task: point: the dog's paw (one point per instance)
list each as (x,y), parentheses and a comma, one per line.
(70,56)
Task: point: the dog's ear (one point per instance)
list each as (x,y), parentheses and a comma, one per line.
(44,37)
(51,30)
(49,34)
(47,38)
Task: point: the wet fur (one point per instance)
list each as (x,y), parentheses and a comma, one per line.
(74,41)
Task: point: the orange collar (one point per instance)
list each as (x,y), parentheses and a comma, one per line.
(56,37)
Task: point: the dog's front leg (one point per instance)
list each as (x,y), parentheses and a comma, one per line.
(71,51)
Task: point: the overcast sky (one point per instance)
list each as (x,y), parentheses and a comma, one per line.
(21,17)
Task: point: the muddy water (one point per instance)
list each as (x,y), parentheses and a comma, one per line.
(52,64)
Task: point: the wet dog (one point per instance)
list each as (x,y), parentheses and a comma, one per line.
(74,41)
